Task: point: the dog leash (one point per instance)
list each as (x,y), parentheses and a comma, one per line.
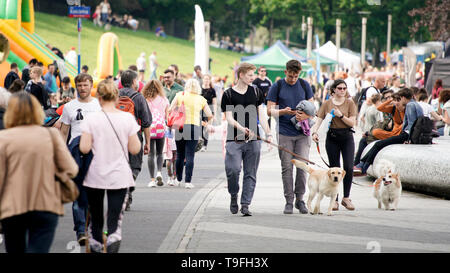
(318,150)
(246,139)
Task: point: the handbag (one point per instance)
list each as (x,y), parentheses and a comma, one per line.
(68,188)
(177,117)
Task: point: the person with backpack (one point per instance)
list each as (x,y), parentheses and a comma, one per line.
(133,102)
(111,134)
(377,88)
(159,107)
(242,106)
(282,100)
(412,112)
(187,136)
(393,112)
(73,115)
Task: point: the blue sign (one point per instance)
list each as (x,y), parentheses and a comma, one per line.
(79,12)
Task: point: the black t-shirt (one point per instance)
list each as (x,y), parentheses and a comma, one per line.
(12,76)
(264,85)
(244,108)
(209,94)
(39,92)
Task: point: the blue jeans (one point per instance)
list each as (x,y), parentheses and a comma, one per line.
(79,218)
(248,155)
(31,232)
(186,141)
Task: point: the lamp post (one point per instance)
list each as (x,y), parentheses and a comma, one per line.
(338,41)
(388,47)
(309,41)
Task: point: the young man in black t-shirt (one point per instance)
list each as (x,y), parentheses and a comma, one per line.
(263,83)
(242,105)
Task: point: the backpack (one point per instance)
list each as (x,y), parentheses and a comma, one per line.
(126,104)
(422,131)
(158,126)
(362,97)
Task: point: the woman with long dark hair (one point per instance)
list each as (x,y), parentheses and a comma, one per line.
(436,89)
(209,93)
(339,140)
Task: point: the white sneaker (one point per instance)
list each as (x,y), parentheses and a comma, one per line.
(159,179)
(170,182)
(175,182)
(151,184)
(188,186)
(203,149)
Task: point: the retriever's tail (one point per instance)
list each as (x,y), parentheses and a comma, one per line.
(302,165)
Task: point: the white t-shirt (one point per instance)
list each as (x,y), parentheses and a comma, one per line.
(427,108)
(140,63)
(109,168)
(70,113)
(370,92)
(72,57)
(153,65)
(105,7)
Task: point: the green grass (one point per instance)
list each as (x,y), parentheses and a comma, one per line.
(61,32)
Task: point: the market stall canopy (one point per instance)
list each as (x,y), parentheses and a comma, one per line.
(323,60)
(346,59)
(275,58)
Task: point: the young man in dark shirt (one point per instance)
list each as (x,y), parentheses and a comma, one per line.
(142,113)
(12,75)
(262,81)
(286,94)
(242,105)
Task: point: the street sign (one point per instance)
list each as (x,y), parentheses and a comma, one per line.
(79,12)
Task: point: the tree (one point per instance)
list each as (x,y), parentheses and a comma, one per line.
(435,17)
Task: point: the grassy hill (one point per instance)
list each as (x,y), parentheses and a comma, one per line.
(61,32)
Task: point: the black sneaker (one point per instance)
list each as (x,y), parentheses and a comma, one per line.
(302,207)
(245,211)
(234,207)
(81,239)
(288,209)
(113,248)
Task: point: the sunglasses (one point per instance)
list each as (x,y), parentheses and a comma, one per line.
(262,71)
(341,88)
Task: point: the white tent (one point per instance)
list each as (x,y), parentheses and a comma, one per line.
(346,59)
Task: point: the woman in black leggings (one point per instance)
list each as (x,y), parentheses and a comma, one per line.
(339,140)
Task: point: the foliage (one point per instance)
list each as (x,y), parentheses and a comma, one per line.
(435,16)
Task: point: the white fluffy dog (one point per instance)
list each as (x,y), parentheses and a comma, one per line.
(388,187)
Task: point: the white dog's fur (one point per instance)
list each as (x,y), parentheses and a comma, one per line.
(388,187)
(323,183)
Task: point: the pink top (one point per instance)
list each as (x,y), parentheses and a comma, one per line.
(159,104)
(109,168)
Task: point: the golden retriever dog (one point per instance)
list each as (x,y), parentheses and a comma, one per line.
(323,183)
(387,190)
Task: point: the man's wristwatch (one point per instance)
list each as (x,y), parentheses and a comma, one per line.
(341,116)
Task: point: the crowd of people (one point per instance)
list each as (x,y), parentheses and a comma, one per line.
(104,17)
(169,118)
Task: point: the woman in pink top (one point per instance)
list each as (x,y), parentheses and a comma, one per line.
(110,134)
(436,89)
(159,106)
